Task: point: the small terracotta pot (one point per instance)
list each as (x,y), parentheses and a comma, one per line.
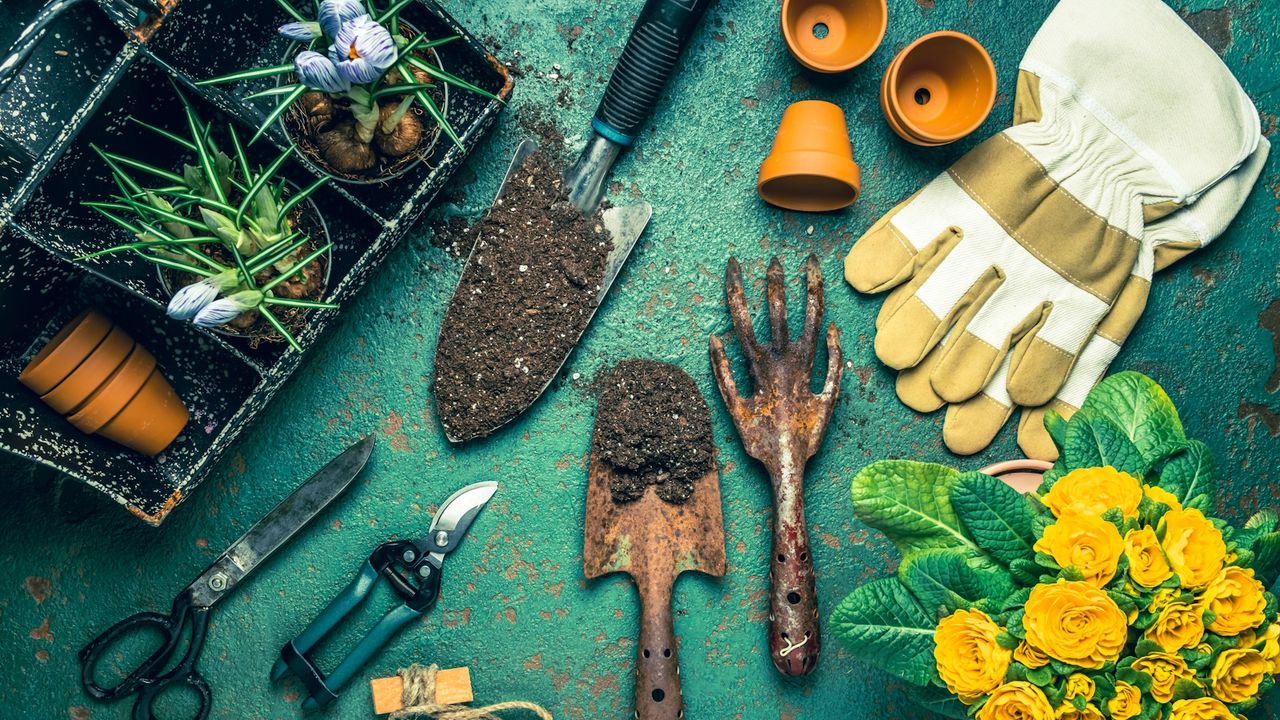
(65,352)
(151,420)
(90,374)
(939,89)
(1021,475)
(109,399)
(832,36)
(811,165)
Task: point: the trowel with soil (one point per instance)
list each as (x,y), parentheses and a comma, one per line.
(547,253)
(653,509)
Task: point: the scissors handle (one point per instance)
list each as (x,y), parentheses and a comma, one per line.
(149,678)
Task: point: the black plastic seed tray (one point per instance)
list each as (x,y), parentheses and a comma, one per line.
(78,88)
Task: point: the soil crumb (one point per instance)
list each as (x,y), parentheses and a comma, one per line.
(524,298)
(652,428)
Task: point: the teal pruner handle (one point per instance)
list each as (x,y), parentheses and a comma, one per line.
(351,596)
(386,628)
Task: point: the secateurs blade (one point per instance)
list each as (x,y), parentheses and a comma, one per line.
(412,567)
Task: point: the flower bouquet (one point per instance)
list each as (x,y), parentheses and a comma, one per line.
(247,253)
(359,82)
(1113,592)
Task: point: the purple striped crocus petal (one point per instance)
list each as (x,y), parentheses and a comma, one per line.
(333,14)
(363,50)
(224,310)
(301,31)
(319,73)
(191,299)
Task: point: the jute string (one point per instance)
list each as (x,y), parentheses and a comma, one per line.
(419,698)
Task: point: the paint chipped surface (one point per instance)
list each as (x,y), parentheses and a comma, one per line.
(572,644)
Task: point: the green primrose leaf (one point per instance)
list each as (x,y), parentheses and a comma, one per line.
(910,502)
(884,625)
(1092,440)
(1191,476)
(943,581)
(996,516)
(1142,410)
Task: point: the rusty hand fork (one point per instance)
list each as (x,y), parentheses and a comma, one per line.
(782,425)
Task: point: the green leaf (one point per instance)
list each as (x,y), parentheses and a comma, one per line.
(943,581)
(1266,560)
(1191,476)
(1095,441)
(279,326)
(1056,426)
(291,10)
(248,74)
(910,502)
(450,78)
(996,516)
(1024,571)
(1143,412)
(1265,520)
(277,112)
(939,702)
(262,179)
(884,625)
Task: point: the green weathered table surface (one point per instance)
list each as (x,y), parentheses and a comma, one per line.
(515,607)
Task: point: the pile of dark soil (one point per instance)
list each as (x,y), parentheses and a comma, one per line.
(528,291)
(652,428)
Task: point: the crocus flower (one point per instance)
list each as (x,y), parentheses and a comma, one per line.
(191,299)
(333,14)
(301,31)
(363,50)
(223,311)
(319,73)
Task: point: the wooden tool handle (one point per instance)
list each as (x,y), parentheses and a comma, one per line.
(794,640)
(658,695)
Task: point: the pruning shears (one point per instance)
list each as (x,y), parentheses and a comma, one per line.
(412,567)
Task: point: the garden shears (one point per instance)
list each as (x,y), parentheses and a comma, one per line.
(412,567)
(191,607)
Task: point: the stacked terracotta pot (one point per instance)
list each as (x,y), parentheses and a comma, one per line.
(104,383)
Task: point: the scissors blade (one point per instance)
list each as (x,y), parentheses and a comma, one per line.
(456,515)
(280,525)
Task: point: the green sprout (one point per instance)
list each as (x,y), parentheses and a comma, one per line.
(220,201)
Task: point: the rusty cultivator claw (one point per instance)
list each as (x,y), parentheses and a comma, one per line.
(781,425)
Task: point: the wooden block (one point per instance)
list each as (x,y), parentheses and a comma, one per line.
(453,687)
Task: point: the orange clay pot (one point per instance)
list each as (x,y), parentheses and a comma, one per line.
(90,374)
(1021,475)
(151,420)
(65,352)
(939,89)
(832,36)
(810,167)
(109,399)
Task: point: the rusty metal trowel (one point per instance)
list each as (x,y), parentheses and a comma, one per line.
(653,541)
(648,61)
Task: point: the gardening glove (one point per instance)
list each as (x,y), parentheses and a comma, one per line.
(971,425)
(1022,248)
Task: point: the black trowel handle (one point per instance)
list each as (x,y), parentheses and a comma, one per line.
(659,37)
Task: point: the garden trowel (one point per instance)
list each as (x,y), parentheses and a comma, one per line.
(648,61)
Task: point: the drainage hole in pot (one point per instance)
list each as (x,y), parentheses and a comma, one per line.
(923,96)
(820,30)
(658,695)
(793,597)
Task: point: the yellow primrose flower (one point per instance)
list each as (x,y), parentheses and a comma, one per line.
(1237,675)
(1162,598)
(1093,491)
(1165,669)
(1204,708)
(1237,600)
(969,659)
(1147,564)
(1028,655)
(1127,703)
(1076,623)
(1177,627)
(1067,711)
(1194,546)
(1160,495)
(1017,701)
(1080,685)
(1090,544)
(1270,649)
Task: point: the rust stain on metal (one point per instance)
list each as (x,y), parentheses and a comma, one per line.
(782,424)
(1261,413)
(39,588)
(1269,320)
(42,632)
(1213,26)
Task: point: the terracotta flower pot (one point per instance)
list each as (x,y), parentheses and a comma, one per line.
(811,165)
(91,373)
(151,420)
(939,89)
(1021,475)
(109,399)
(65,351)
(832,36)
